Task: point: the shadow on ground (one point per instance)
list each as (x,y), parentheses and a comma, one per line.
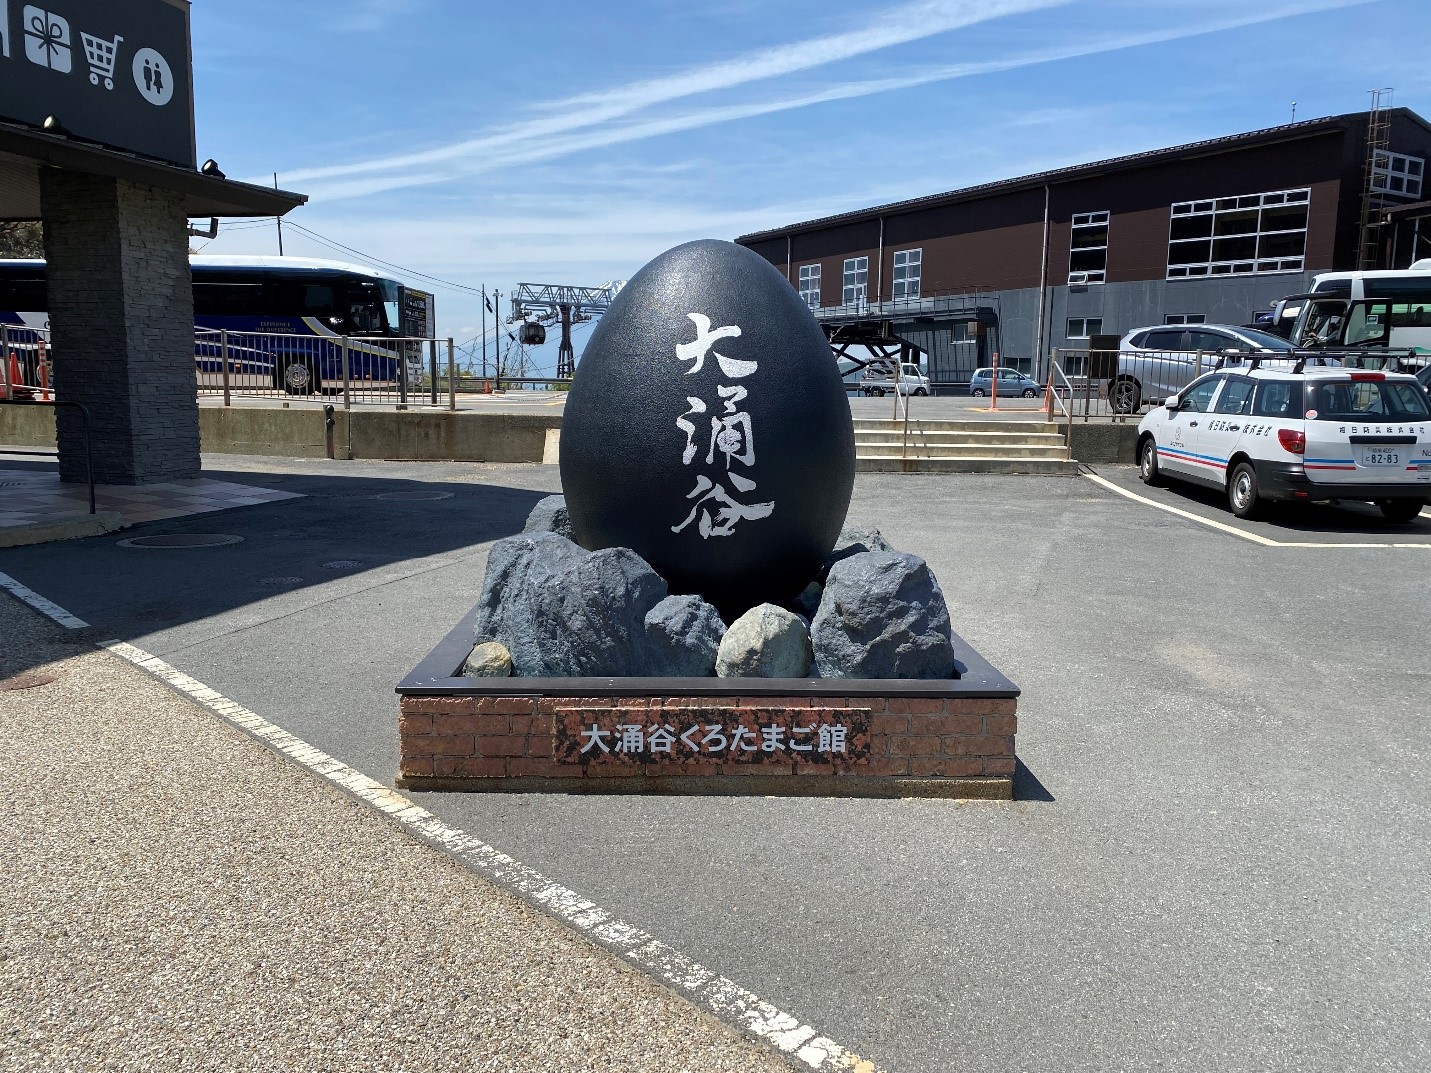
(343,526)
(1348,520)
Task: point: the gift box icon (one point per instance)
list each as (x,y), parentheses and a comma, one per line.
(47,39)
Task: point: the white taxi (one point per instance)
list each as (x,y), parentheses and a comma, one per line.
(1290,433)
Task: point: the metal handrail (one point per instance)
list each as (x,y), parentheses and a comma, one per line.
(1057,370)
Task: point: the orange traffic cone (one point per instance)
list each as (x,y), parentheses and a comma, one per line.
(486,387)
(16,378)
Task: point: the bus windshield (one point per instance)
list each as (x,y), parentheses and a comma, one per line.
(392,304)
(365,306)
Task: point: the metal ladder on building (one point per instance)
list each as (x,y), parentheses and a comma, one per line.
(1378,142)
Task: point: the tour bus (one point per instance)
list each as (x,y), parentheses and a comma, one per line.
(286,318)
(1375,310)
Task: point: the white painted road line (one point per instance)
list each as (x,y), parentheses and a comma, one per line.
(40,604)
(1256,538)
(731,1003)
(737,1007)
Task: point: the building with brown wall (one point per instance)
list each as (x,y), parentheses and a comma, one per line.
(1213,231)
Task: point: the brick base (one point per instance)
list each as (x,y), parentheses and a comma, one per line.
(859,746)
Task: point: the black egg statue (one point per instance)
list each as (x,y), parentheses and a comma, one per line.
(707,429)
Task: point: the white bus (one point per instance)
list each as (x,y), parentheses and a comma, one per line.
(1377,310)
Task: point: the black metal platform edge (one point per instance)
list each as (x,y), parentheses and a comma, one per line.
(437,675)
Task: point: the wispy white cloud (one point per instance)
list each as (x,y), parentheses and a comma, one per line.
(369,16)
(517,151)
(895,26)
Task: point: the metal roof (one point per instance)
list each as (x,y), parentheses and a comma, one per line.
(1287,132)
(24,151)
(239,260)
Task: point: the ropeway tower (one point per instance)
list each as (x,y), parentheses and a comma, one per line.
(539,304)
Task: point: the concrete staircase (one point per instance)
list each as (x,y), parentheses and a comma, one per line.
(972,446)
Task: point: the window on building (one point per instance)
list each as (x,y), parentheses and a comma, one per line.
(1236,236)
(1084,327)
(810,285)
(857,278)
(907,267)
(1185,318)
(1397,173)
(1088,248)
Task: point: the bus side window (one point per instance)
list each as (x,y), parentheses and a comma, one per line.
(318,301)
(1411,315)
(234,298)
(26,296)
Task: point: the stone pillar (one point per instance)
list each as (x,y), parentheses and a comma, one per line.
(122,321)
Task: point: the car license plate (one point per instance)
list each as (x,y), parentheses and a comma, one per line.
(1380,456)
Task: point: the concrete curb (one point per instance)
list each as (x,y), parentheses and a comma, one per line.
(105,521)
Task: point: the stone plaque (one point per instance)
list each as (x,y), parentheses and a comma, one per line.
(748,734)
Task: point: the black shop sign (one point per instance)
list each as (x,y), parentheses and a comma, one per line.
(117,72)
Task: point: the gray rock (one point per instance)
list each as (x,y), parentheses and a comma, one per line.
(882,616)
(550,516)
(808,602)
(490,659)
(854,540)
(564,612)
(682,636)
(514,565)
(765,642)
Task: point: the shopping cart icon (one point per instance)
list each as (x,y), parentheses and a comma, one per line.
(101,55)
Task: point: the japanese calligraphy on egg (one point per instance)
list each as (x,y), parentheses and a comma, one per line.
(707,429)
(731,449)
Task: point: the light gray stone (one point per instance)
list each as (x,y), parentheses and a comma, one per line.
(765,642)
(854,540)
(564,612)
(883,615)
(682,636)
(550,516)
(490,659)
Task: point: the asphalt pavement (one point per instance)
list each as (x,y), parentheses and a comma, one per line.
(177,897)
(1215,860)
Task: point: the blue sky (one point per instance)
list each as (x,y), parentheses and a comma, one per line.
(571,142)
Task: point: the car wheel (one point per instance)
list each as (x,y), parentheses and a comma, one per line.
(879,391)
(1030,393)
(978,393)
(1148,462)
(1400,510)
(1126,396)
(297,376)
(920,391)
(1243,495)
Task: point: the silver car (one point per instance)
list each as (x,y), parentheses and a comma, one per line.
(1161,359)
(1011,383)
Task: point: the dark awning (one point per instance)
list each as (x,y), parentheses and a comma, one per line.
(24,151)
(1416,210)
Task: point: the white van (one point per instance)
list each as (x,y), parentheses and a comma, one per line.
(1310,434)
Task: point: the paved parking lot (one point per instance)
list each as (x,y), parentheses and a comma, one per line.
(1216,860)
(1289,525)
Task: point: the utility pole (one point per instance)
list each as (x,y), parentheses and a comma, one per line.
(484,332)
(278,219)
